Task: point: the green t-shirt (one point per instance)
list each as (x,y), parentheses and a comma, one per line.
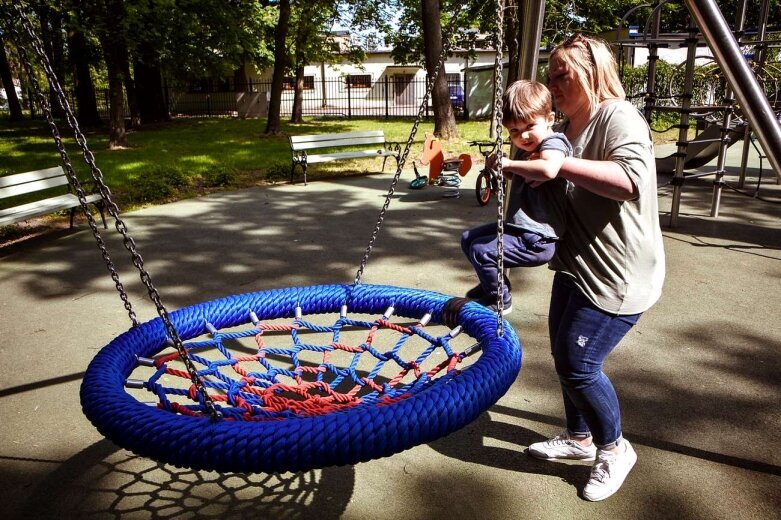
(613,249)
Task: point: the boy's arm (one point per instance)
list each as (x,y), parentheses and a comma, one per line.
(536,171)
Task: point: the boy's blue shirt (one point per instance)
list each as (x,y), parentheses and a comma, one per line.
(540,210)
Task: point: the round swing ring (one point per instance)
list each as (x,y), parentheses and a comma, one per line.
(297,443)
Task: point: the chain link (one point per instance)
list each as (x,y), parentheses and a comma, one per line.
(498,90)
(105,193)
(402,160)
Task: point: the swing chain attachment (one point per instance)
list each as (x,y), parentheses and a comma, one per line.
(105,193)
(418,119)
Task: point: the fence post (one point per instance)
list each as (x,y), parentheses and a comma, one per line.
(387,91)
(464,105)
(349,99)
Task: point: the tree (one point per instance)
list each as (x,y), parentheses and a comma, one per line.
(273,123)
(107,18)
(51,34)
(6,78)
(84,88)
(444,118)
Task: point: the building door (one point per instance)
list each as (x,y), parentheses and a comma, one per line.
(404,89)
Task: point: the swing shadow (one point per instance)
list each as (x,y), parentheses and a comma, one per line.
(104,481)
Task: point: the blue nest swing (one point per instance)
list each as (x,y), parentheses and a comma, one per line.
(382,422)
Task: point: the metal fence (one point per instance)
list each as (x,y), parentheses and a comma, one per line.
(349,97)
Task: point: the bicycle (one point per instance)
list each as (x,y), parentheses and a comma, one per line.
(487,180)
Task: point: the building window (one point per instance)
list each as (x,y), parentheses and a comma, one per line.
(289,83)
(454,79)
(359,81)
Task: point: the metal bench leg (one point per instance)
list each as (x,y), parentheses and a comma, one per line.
(101,208)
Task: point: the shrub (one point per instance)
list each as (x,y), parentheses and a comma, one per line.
(159,183)
(220,177)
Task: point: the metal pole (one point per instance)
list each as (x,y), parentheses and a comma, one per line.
(683,128)
(531,15)
(759,60)
(742,80)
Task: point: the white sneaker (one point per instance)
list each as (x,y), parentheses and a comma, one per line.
(609,473)
(562,447)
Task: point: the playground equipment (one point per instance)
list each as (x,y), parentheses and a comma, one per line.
(289,406)
(442,171)
(744,89)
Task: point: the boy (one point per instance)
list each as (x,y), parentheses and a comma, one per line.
(535,210)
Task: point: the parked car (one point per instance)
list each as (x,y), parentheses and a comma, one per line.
(457,96)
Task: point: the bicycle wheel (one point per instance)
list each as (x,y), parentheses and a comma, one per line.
(483,187)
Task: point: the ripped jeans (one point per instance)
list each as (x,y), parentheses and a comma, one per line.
(582,336)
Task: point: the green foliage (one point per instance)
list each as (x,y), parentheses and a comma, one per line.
(220,177)
(157,184)
(278,171)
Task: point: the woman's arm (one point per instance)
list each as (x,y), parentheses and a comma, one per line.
(605,178)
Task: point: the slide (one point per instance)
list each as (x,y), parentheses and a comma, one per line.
(701,150)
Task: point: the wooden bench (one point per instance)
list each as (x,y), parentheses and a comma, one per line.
(38,184)
(362,145)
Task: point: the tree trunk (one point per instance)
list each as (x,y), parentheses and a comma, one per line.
(87,106)
(240,82)
(51,37)
(444,118)
(7,80)
(117,134)
(298,97)
(150,91)
(273,125)
(512,35)
(130,85)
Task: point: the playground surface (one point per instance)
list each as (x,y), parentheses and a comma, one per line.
(698,377)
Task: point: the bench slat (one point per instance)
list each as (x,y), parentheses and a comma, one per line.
(37,175)
(358,154)
(356,141)
(29,187)
(42,207)
(295,139)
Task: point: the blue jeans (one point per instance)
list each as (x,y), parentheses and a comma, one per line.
(582,336)
(520,250)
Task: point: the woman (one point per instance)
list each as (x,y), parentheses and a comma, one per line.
(610,262)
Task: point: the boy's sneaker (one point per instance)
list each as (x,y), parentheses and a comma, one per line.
(609,473)
(562,447)
(478,293)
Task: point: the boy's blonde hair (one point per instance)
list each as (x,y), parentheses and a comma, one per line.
(524,100)
(594,66)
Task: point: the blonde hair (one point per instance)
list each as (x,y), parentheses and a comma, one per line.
(594,66)
(524,100)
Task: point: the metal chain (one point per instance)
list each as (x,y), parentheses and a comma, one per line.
(498,90)
(421,110)
(105,193)
(72,178)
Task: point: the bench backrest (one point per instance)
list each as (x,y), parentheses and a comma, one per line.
(21,183)
(310,142)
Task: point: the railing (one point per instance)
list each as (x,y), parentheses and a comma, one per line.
(387,97)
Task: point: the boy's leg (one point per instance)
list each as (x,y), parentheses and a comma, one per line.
(525,250)
(469,236)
